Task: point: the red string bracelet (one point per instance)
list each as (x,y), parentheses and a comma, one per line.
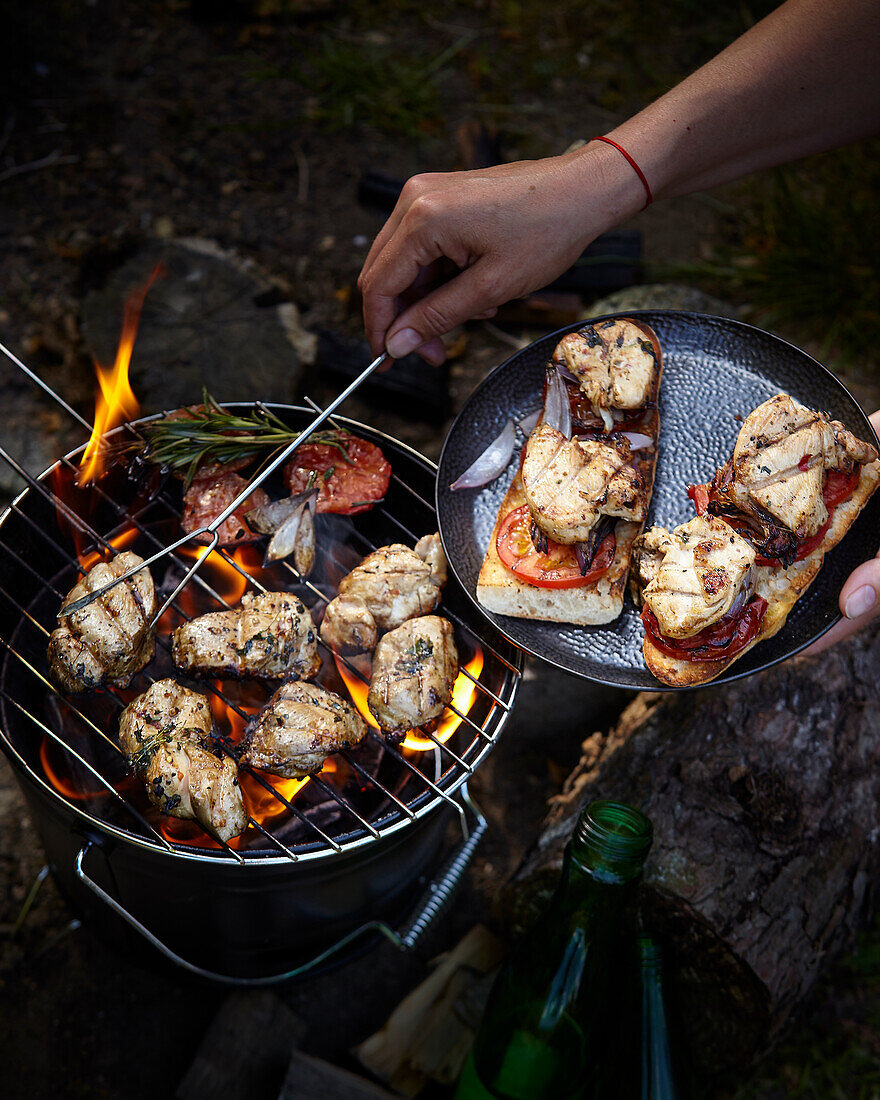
(638,171)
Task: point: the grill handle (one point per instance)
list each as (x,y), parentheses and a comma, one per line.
(433,902)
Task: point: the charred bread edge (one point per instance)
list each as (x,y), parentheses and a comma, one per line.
(780,588)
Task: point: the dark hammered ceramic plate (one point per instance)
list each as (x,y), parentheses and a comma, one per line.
(713,369)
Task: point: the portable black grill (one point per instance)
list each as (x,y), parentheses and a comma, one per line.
(328,864)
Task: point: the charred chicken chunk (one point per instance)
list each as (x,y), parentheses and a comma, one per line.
(270,635)
(569,484)
(390,585)
(299,727)
(613,362)
(167,733)
(111,639)
(414,670)
(779,462)
(692,577)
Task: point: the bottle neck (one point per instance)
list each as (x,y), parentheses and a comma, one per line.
(610,842)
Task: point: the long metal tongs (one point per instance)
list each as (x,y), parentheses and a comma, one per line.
(212,527)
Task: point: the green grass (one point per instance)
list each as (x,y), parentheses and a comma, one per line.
(806,257)
(363,82)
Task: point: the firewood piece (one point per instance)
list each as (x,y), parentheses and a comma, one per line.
(309,1078)
(246,1050)
(427,1037)
(765,798)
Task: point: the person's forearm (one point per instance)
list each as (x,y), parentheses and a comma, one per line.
(803,80)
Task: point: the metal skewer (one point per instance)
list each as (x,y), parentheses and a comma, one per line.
(212,528)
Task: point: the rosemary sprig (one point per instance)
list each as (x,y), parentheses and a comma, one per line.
(214,434)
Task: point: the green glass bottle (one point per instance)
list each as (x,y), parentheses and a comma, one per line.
(658,1079)
(546,1020)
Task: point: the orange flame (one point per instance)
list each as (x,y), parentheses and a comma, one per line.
(59,782)
(462,697)
(115,401)
(219,572)
(119,542)
(262,805)
(64,786)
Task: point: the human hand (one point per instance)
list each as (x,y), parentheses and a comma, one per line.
(460,244)
(859,597)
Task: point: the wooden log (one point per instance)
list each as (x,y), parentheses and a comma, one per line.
(429,1034)
(246,1051)
(765,799)
(311,1078)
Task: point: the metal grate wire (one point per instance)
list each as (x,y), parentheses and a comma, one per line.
(455,768)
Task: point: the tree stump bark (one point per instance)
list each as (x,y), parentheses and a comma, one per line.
(765,799)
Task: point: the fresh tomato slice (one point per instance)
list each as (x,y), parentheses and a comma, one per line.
(557,569)
(716,643)
(351,477)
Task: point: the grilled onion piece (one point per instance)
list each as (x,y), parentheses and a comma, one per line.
(271,635)
(167,733)
(111,639)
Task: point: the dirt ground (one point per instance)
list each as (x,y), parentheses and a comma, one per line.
(129,122)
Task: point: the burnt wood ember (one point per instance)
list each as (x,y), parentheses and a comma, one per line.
(766,806)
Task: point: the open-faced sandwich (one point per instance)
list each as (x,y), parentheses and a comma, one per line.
(560,548)
(722,582)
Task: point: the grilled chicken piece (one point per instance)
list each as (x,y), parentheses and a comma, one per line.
(270,635)
(614,363)
(298,728)
(167,733)
(390,585)
(569,484)
(348,625)
(111,639)
(691,577)
(414,670)
(782,452)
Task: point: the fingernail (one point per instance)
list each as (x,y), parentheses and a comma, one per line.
(862,600)
(403,342)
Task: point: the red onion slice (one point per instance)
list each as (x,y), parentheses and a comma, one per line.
(638,441)
(565,373)
(491,462)
(530,421)
(557,408)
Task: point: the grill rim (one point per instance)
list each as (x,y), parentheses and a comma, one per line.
(433,797)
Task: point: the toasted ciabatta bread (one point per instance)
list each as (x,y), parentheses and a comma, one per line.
(503,592)
(781,588)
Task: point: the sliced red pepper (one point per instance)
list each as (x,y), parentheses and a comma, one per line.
(718,642)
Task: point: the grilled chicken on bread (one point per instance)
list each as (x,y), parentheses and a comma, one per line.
(795,484)
(569,484)
(614,363)
(561,544)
